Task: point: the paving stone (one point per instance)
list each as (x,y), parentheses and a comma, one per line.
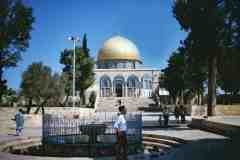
(202,142)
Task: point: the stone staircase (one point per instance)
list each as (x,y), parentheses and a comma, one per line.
(161,144)
(109,104)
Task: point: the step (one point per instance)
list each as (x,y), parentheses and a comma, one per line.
(19,143)
(132,104)
(149,149)
(179,140)
(162,141)
(26,144)
(161,146)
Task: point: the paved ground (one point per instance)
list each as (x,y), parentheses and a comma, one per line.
(207,149)
(203,145)
(232,120)
(201,142)
(184,132)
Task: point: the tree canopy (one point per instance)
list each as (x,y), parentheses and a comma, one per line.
(183,76)
(229,74)
(174,74)
(213,28)
(84,68)
(15,25)
(38,84)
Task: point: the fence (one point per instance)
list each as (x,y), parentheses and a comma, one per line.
(93,132)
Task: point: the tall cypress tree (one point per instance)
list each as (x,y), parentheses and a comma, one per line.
(84,68)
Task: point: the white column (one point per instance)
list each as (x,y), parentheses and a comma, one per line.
(125,86)
(112,91)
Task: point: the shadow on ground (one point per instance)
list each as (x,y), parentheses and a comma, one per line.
(173,125)
(208,149)
(204,149)
(171,128)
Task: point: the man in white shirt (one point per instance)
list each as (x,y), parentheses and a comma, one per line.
(121,132)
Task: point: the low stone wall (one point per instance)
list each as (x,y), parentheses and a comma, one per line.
(50,110)
(221,110)
(198,111)
(227,110)
(63,110)
(228,130)
(7,125)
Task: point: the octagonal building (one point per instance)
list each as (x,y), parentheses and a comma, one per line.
(120,76)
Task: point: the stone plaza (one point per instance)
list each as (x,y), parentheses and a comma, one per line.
(175,142)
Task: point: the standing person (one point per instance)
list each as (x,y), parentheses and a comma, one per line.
(119,103)
(120,127)
(165,116)
(182,113)
(19,122)
(177,112)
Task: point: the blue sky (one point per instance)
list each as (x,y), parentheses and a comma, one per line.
(148,23)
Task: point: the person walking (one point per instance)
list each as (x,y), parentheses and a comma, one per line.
(19,118)
(177,113)
(165,116)
(120,127)
(183,113)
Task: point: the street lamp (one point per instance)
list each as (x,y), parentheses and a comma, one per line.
(75,40)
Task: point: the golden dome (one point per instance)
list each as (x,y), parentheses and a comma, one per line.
(118,48)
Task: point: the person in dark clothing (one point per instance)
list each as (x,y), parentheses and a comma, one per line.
(183,113)
(119,102)
(165,116)
(177,113)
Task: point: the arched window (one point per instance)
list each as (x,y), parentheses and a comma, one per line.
(147,82)
(133,86)
(119,86)
(105,86)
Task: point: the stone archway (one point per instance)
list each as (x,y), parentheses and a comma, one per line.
(119,90)
(119,85)
(105,86)
(133,86)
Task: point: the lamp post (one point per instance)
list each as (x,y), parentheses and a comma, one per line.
(75,40)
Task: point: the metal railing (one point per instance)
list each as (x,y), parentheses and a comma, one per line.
(92,131)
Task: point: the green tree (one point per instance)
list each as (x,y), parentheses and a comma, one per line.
(173,79)
(195,71)
(84,68)
(10,97)
(59,92)
(65,80)
(195,76)
(185,75)
(212,26)
(15,25)
(229,74)
(39,85)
